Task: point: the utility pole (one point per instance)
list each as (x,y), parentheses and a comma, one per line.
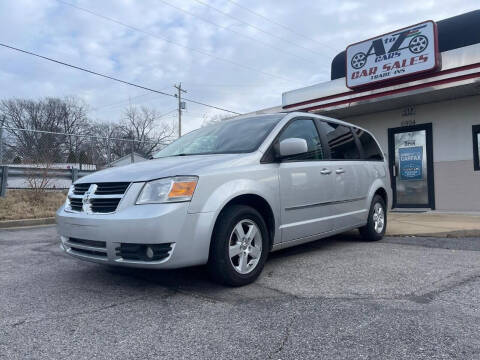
(2,123)
(181,105)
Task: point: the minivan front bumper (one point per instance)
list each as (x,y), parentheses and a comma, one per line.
(99,237)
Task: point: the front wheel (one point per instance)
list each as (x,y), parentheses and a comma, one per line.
(377,221)
(239,246)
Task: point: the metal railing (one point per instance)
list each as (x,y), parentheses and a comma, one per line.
(33,159)
(17,172)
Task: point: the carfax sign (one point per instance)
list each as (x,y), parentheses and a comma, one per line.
(410,159)
(400,53)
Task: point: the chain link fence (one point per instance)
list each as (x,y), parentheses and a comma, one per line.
(45,160)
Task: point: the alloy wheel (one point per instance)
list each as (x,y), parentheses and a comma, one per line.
(245,246)
(378,218)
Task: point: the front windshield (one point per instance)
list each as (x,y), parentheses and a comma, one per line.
(227,137)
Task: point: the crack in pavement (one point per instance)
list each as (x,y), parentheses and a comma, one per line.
(429,296)
(286,337)
(85,312)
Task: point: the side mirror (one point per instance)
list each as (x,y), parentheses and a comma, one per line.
(292,146)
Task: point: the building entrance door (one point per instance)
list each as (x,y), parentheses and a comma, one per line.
(411,166)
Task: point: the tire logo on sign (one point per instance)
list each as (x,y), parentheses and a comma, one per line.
(417,44)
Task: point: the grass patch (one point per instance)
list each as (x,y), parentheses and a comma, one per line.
(25,204)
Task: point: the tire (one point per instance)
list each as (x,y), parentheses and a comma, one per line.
(231,236)
(372,231)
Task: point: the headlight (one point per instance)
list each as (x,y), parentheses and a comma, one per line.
(174,189)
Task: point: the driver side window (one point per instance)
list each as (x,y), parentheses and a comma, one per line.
(304,129)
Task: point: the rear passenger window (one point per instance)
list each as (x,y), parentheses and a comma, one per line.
(341,142)
(370,147)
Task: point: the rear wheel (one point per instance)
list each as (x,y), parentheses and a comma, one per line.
(239,246)
(377,221)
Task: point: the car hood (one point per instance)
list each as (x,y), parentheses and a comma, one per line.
(169,166)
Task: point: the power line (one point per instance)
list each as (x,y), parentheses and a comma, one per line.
(175,43)
(130,98)
(279,24)
(71,134)
(167,113)
(234,32)
(259,29)
(111,77)
(120,102)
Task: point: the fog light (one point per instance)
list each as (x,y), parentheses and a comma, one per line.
(149,252)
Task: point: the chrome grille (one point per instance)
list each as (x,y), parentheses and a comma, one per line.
(80,189)
(104,205)
(101,198)
(76,204)
(111,188)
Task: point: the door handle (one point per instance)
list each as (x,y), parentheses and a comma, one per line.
(326,171)
(339,171)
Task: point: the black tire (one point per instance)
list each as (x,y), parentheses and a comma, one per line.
(368,232)
(220,266)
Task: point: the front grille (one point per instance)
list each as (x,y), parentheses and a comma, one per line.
(104,205)
(139,251)
(80,189)
(76,204)
(111,188)
(89,252)
(87,248)
(104,200)
(93,243)
(114,188)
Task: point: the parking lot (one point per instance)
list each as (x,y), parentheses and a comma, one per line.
(401,298)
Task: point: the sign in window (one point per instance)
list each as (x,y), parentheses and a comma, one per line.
(411,162)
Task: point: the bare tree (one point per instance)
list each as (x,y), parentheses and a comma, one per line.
(143,125)
(105,144)
(28,114)
(74,121)
(48,115)
(30,125)
(38,179)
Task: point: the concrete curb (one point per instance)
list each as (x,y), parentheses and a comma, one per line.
(443,234)
(26,222)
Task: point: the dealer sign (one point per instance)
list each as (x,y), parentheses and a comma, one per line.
(400,53)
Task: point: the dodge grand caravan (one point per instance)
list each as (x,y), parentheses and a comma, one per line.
(227,194)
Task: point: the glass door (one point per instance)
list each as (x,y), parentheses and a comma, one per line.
(411,166)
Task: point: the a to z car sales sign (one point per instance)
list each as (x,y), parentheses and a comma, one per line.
(400,53)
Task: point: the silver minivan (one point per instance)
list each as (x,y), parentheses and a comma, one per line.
(227,194)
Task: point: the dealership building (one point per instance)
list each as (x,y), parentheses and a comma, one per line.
(417,90)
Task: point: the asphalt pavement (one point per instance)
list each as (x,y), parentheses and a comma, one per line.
(338,298)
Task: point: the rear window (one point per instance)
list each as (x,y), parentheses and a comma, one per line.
(371,150)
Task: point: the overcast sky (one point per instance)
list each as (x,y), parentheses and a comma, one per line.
(224,54)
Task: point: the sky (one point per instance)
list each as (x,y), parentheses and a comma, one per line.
(240,55)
